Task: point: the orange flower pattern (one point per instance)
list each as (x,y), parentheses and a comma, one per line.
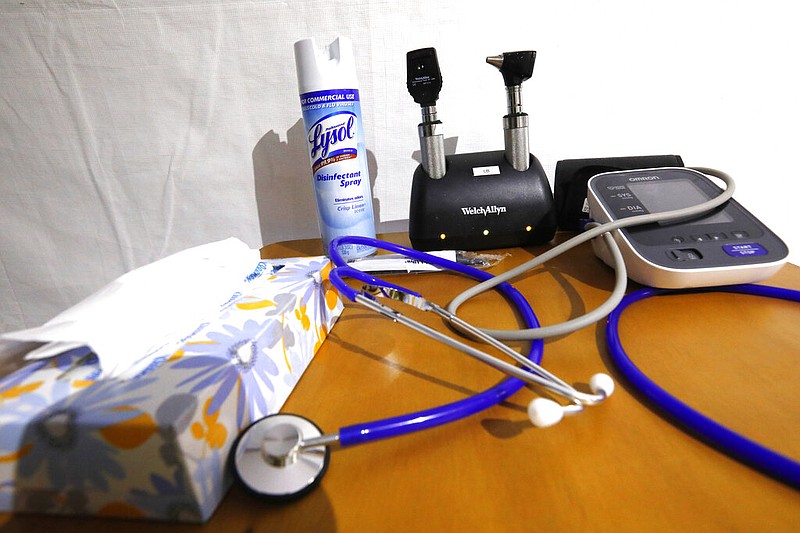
(154,446)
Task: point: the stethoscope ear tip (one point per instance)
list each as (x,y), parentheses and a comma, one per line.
(269,461)
(544,412)
(602,384)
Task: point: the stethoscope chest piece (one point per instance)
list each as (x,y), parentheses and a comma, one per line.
(270,460)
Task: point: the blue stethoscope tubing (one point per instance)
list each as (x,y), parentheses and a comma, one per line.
(436,416)
(746,450)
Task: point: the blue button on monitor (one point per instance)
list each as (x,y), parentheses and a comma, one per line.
(749,249)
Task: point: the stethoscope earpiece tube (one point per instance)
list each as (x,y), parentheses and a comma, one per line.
(529,371)
(428,418)
(748,451)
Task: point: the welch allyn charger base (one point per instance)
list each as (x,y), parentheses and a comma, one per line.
(479,200)
(481,203)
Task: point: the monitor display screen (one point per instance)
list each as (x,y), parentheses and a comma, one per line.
(660,196)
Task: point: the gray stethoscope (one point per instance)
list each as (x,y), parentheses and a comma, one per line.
(283,456)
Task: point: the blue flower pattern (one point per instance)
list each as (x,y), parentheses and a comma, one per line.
(251,358)
(63,442)
(236,359)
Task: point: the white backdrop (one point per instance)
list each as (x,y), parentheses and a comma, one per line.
(133,129)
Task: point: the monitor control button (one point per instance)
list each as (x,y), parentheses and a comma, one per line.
(684,254)
(749,249)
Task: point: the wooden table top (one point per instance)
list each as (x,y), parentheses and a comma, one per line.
(620,466)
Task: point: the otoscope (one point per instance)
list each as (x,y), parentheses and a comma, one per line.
(516,67)
(479,200)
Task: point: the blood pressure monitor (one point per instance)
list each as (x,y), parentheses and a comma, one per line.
(725,246)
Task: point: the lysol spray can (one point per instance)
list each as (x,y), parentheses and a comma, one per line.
(329,98)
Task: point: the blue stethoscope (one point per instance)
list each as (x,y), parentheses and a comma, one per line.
(746,450)
(283,456)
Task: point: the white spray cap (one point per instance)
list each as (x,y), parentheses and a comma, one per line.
(325,67)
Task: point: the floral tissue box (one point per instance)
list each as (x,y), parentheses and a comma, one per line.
(155,446)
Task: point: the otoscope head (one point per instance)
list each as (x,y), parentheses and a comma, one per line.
(515,67)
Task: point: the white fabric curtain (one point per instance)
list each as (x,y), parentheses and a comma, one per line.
(130,130)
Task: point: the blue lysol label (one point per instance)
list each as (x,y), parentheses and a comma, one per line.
(744,250)
(333,139)
(333,129)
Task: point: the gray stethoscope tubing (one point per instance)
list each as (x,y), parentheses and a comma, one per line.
(621,280)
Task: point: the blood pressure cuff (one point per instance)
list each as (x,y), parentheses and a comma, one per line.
(572,176)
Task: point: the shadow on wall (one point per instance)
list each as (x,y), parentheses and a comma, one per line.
(401,226)
(450,146)
(284,189)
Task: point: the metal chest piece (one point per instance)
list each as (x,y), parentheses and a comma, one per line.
(270,461)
